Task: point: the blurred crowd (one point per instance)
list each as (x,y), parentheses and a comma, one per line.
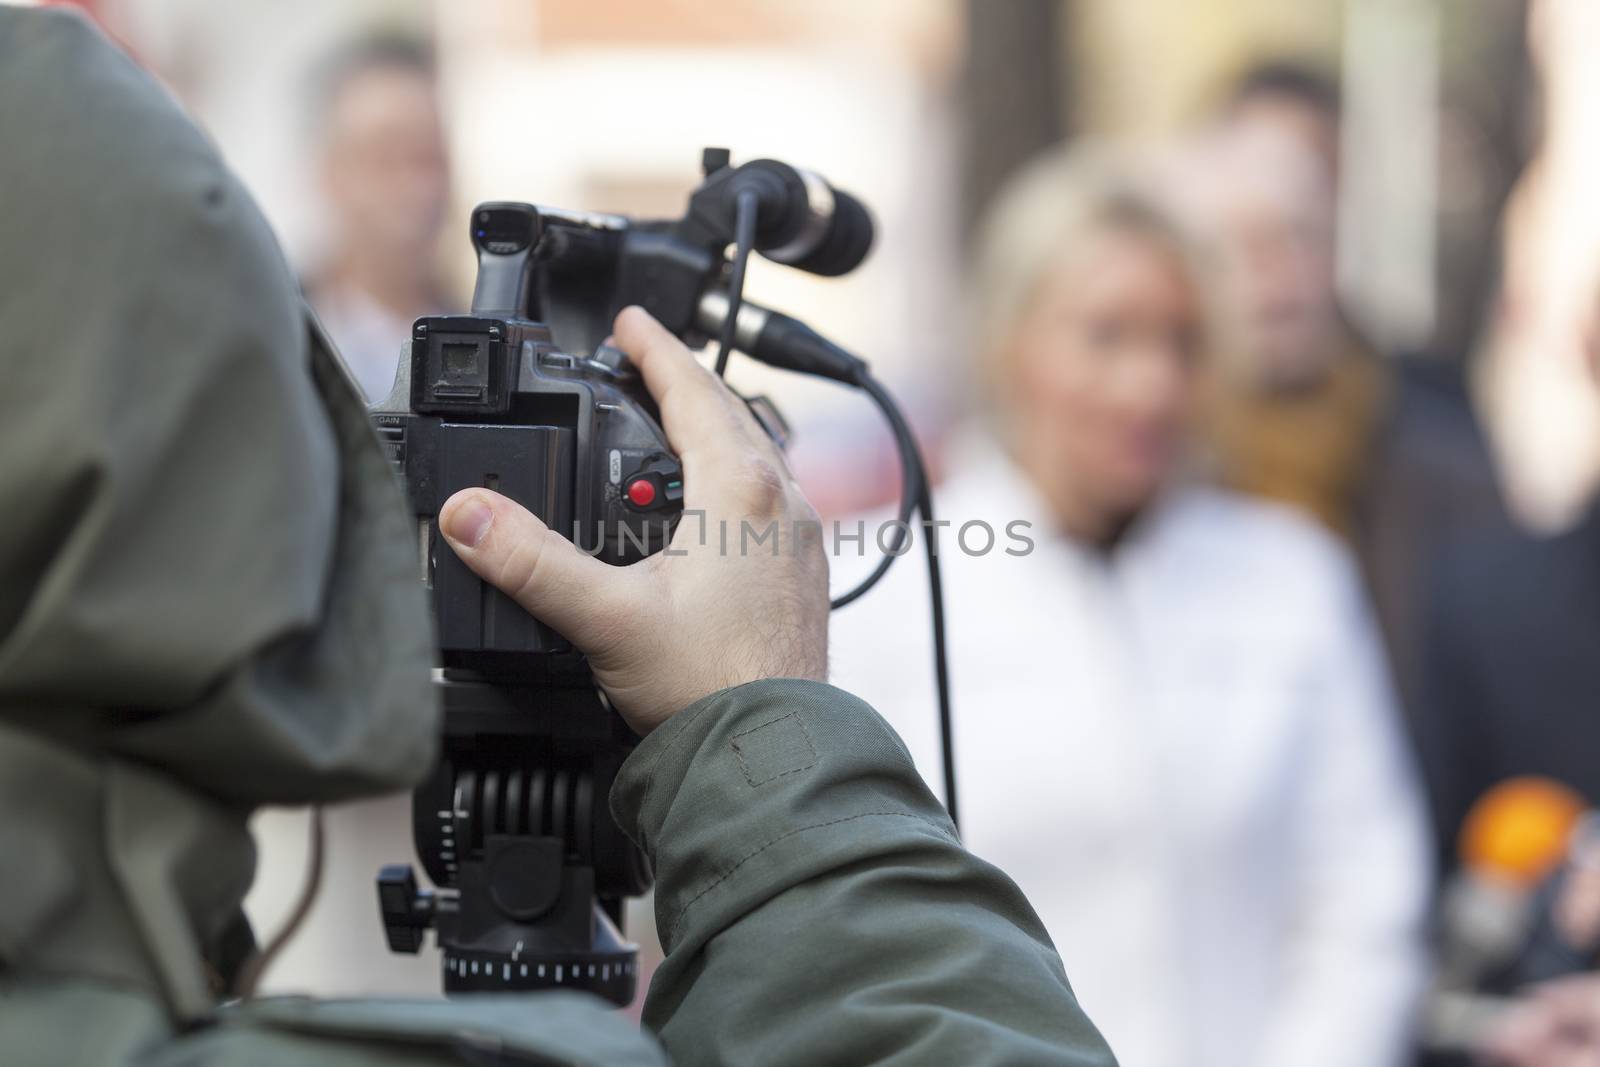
(1281,719)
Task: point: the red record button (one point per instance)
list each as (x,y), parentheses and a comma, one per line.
(641,492)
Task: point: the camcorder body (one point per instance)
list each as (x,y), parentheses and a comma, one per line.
(522,396)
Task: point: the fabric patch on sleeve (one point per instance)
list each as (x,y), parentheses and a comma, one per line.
(774,749)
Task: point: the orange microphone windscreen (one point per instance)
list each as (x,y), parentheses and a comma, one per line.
(1518,831)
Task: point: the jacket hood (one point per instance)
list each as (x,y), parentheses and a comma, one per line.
(208,586)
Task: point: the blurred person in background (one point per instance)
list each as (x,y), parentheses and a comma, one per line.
(1386,453)
(1512,667)
(384,172)
(1505,719)
(1512,660)
(1511,673)
(1173,723)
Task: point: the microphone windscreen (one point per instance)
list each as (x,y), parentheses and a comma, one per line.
(1518,831)
(847,242)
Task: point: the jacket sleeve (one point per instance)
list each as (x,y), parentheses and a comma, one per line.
(816,906)
(1355,961)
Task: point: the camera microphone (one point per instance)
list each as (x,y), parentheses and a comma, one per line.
(1495,929)
(836,233)
(804,222)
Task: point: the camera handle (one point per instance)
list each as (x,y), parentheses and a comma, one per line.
(505,235)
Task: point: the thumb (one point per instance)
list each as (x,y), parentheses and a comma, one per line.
(505,545)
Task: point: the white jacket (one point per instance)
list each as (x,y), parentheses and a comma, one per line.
(1187,755)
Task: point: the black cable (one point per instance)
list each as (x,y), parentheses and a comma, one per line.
(911,477)
(744,239)
(917,494)
(941,663)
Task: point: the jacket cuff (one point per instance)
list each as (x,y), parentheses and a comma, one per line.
(722,793)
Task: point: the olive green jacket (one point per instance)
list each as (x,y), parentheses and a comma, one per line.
(209,602)
(813,900)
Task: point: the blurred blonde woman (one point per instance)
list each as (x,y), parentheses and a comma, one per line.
(1173,725)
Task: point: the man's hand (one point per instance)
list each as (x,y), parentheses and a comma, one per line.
(717,608)
(1556,1024)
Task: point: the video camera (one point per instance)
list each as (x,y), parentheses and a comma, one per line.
(514,826)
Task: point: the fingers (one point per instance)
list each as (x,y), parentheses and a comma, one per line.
(506,546)
(1556,1024)
(698,412)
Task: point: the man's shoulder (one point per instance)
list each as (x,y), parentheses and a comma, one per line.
(539,1028)
(43,1023)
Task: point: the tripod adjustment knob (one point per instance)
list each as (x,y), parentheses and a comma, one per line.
(407,911)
